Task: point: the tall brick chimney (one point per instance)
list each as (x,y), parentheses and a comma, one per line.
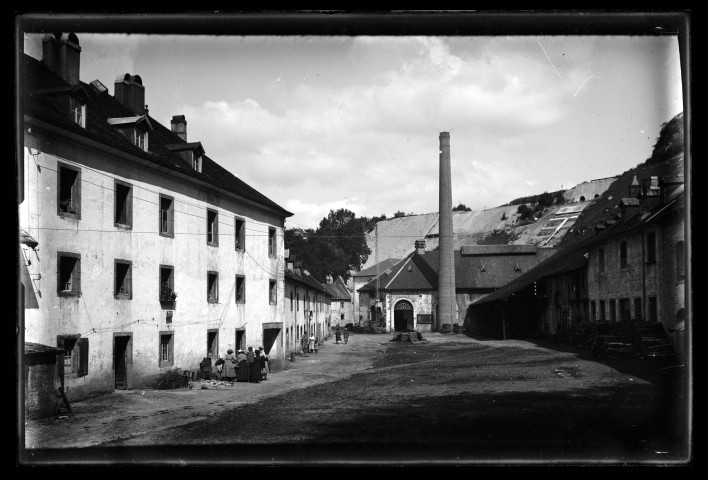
(447,307)
(130,92)
(61,53)
(179,126)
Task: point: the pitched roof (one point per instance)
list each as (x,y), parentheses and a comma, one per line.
(306,279)
(100,107)
(338,290)
(574,256)
(382,267)
(480,271)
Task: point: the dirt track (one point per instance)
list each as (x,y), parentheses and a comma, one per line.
(451,398)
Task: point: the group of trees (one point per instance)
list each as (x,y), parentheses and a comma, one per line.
(336,247)
(541,202)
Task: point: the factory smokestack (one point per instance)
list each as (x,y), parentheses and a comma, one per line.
(447,308)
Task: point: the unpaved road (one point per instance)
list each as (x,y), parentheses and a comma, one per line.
(450,399)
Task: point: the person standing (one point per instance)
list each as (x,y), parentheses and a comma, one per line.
(265,363)
(312,343)
(303,343)
(242,366)
(255,374)
(338,335)
(229,372)
(346,336)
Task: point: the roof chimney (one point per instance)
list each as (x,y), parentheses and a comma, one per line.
(130,92)
(179,126)
(420,247)
(61,53)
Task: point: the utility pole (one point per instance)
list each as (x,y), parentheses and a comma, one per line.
(376,259)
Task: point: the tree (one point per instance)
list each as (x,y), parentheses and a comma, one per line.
(399,214)
(337,247)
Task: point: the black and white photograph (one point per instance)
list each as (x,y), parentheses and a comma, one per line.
(348,238)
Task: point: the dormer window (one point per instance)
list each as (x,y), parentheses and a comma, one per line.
(78,111)
(191,153)
(135,129)
(71,100)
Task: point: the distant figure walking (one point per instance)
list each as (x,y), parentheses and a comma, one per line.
(242,366)
(316,345)
(265,363)
(338,335)
(312,343)
(346,336)
(303,343)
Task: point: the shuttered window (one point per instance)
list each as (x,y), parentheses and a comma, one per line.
(68,191)
(123,279)
(123,205)
(68,274)
(167,214)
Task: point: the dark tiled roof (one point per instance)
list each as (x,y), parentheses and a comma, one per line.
(573,257)
(338,290)
(420,272)
(304,279)
(382,267)
(102,106)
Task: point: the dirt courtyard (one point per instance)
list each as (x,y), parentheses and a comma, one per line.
(448,400)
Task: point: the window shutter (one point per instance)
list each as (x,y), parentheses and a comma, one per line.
(76,194)
(76,286)
(216,229)
(129,282)
(171,218)
(129,208)
(83,344)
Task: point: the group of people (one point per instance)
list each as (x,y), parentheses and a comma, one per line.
(338,335)
(246,366)
(309,344)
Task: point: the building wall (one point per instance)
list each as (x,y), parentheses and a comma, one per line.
(640,280)
(96,314)
(360,309)
(296,314)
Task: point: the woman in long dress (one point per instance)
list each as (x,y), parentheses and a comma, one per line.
(228,371)
(255,369)
(242,366)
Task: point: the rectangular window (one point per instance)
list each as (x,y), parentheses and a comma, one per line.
(197,162)
(167,215)
(78,111)
(167,346)
(123,199)
(212,287)
(625,314)
(341,304)
(69,191)
(297,303)
(601,260)
(638,309)
(342,316)
(291,300)
(272,284)
(651,247)
(167,284)
(653,312)
(240,234)
(613,311)
(75,358)
(140,139)
(240,289)
(68,274)
(212,228)
(680,261)
(271,242)
(213,343)
(603,316)
(623,254)
(123,279)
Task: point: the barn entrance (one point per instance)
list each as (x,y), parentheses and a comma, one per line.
(271,334)
(123,360)
(403,316)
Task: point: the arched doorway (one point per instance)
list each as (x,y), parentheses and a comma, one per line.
(403,316)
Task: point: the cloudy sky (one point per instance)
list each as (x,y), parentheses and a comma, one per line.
(318,123)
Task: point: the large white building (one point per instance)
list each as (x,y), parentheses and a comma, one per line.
(141,253)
